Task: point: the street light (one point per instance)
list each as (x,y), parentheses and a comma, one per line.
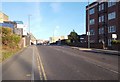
(53,36)
(88,28)
(29,27)
(54,32)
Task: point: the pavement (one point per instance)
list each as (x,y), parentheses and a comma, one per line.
(104,51)
(21,66)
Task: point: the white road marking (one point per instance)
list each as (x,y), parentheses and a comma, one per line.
(107,68)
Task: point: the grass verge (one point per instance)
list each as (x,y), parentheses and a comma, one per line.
(7,53)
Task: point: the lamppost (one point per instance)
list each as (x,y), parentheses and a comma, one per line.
(88,27)
(54,32)
(53,35)
(29,28)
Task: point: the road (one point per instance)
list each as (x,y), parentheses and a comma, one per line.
(60,63)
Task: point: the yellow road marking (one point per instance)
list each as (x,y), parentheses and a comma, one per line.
(41,67)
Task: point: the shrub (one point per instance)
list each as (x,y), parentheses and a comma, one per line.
(115,42)
(68,41)
(9,39)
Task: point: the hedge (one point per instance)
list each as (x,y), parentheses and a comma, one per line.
(115,42)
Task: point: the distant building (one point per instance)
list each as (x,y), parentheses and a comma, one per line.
(18,28)
(57,38)
(9,24)
(3,17)
(18,31)
(104,20)
(83,38)
(4,21)
(21,29)
(39,41)
(33,40)
(19,22)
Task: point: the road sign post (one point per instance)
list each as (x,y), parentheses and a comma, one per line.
(114,36)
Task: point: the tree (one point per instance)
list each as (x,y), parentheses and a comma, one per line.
(73,37)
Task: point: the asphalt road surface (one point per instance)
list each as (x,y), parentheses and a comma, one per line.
(60,63)
(65,63)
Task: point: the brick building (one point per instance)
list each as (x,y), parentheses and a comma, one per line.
(104,21)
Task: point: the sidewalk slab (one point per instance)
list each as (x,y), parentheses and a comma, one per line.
(112,52)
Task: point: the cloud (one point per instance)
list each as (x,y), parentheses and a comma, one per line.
(56,7)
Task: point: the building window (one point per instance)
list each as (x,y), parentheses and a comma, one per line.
(101,30)
(111,3)
(112,15)
(111,29)
(92,21)
(92,11)
(92,32)
(101,19)
(101,7)
(109,42)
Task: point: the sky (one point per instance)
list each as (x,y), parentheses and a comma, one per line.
(49,18)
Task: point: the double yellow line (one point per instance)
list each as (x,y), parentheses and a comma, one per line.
(41,67)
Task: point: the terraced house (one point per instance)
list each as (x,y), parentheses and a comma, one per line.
(103,22)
